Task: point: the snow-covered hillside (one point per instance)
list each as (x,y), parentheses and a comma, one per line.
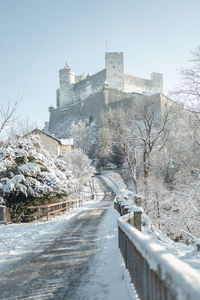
(188,253)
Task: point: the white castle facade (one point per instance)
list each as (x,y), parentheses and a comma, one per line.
(84,97)
(74,89)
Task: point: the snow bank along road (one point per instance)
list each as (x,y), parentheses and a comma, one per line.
(82,263)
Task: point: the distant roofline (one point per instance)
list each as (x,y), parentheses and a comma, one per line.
(62,142)
(36,130)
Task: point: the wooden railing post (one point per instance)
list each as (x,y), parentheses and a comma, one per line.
(138,212)
(137,219)
(8,218)
(138,200)
(197,244)
(3,214)
(47,213)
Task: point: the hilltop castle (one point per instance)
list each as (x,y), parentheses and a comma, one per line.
(83,97)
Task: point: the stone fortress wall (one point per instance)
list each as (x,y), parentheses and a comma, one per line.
(90,85)
(143,86)
(73,88)
(80,97)
(61,118)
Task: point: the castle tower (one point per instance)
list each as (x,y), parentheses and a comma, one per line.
(115,70)
(67,79)
(157,82)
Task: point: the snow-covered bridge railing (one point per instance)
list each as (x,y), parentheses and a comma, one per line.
(124,207)
(156,274)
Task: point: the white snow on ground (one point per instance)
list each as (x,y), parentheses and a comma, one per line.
(18,240)
(107,278)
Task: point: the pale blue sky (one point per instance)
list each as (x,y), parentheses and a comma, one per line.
(38,36)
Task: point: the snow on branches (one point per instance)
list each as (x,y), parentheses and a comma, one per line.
(29,174)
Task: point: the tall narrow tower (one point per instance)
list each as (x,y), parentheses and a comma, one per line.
(115,70)
(67,79)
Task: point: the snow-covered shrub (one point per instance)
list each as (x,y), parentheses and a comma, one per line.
(29,175)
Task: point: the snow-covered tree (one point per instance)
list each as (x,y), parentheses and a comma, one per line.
(83,134)
(30,175)
(174,210)
(166,157)
(80,166)
(136,132)
(188,91)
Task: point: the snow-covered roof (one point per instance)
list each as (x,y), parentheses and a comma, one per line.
(67,142)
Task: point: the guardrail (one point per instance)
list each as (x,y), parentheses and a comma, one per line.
(53,208)
(156,274)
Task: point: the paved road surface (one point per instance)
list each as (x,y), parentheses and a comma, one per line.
(56,272)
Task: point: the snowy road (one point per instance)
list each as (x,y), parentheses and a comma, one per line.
(82,263)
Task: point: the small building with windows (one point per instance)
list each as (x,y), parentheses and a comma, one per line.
(67,145)
(58,147)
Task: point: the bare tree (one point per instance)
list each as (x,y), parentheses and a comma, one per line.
(21,127)
(138,131)
(189,90)
(188,93)
(84,136)
(114,133)
(150,127)
(104,140)
(81,167)
(7,115)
